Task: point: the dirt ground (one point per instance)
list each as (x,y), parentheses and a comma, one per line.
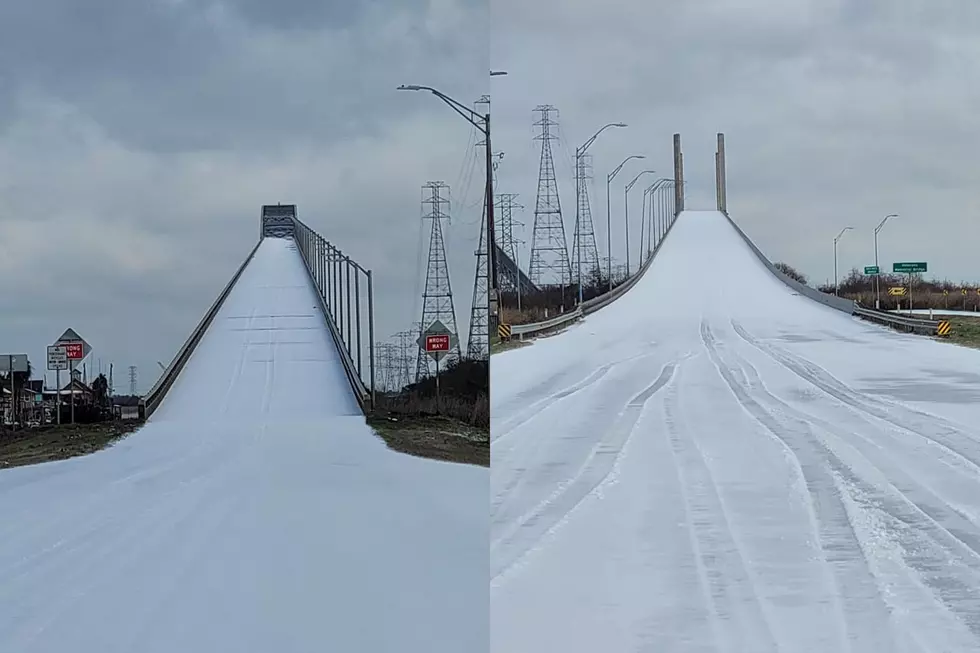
(440,438)
(47,443)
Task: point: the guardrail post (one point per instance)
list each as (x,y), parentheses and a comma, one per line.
(348,339)
(337,317)
(320,266)
(328,294)
(340,296)
(357,304)
(370,290)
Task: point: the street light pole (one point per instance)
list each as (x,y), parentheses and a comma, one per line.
(878,276)
(837,238)
(579,153)
(626,202)
(482,123)
(609,179)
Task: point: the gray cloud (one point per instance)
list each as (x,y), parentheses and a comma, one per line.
(836,113)
(138,141)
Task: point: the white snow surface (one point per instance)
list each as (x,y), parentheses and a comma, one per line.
(254,512)
(714,463)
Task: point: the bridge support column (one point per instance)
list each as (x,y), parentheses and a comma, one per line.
(721,183)
(678,176)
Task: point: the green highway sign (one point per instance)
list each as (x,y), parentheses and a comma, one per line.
(909,267)
(871,269)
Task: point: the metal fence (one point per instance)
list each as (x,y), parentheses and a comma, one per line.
(346,293)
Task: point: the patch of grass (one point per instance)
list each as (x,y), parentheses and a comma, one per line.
(965,332)
(436,437)
(46,443)
(505,345)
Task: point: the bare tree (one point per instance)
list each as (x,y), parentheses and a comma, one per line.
(791,272)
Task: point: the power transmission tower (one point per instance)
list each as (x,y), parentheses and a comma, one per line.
(549,248)
(132,380)
(437,297)
(584,229)
(406,347)
(505,229)
(505,234)
(478,340)
(388,365)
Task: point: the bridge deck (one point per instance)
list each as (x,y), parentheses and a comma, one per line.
(268,354)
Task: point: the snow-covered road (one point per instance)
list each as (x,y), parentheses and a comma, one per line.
(713,463)
(254,512)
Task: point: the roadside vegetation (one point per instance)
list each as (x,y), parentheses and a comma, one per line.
(552,300)
(453,427)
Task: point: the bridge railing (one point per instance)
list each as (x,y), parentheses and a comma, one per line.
(346,293)
(521,331)
(152,400)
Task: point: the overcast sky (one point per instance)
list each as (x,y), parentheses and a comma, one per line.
(836,113)
(139,138)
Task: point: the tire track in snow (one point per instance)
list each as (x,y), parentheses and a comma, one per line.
(84,546)
(857,589)
(527,532)
(239,364)
(930,577)
(736,614)
(554,447)
(954,524)
(529,413)
(967,451)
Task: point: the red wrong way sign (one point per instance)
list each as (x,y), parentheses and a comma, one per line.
(75,350)
(438,342)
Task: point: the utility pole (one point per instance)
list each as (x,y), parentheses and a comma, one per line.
(482,123)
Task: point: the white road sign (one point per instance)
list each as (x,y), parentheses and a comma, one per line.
(57,358)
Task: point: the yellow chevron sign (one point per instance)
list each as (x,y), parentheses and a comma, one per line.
(897,291)
(944,328)
(504,331)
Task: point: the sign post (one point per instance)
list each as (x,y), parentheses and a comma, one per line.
(437,341)
(57,361)
(872,270)
(910,268)
(76,349)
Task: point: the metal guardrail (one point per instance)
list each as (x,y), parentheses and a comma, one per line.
(592,305)
(902,322)
(152,400)
(537,328)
